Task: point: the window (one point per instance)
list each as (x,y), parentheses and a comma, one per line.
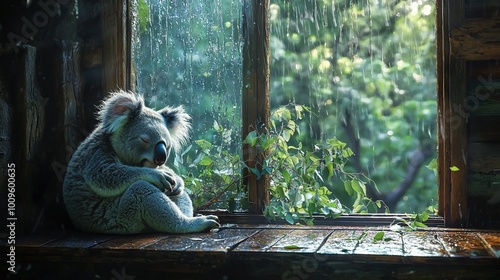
(189,53)
(367,70)
(204,58)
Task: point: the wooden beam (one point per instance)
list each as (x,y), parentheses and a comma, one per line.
(453,118)
(255,94)
(458,143)
(115,49)
(443,175)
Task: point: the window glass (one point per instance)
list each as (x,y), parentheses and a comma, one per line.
(366,68)
(189,53)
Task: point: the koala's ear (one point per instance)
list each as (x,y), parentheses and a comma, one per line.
(117,108)
(178,125)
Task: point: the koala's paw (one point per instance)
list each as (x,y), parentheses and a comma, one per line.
(203,223)
(165,180)
(177,187)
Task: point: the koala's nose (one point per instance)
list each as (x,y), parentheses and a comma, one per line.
(160,155)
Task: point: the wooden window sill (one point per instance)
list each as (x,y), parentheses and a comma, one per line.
(280,250)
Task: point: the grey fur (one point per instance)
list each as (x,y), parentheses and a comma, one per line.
(113,183)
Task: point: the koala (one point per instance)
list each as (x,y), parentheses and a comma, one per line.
(117,182)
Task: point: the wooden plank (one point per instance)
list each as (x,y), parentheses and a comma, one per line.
(38,240)
(262,241)
(179,242)
(341,242)
(127,242)
(463,245)
(476,39)
(422,244)
(484,129)
(484,157)
(79,240)
(492,242)
(393,246)
(301,241)
(75,248)
(223,240)
(483,71)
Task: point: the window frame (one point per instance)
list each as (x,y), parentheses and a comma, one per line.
(452,129)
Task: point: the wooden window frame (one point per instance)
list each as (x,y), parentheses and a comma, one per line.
(452,126)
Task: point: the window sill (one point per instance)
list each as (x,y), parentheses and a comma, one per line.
(264,250)
(368,220)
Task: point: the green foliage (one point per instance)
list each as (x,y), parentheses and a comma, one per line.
(213,173)
(143,15)
(299,176)
(413,221)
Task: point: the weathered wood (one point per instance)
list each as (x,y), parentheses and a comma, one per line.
(420,244)
(476,39)
(341,242)
(261,252)
(391,247)
(126,242)
(29,124)
(482,9)
(255,95)
(301,241)
(484,157)
(72,94)
(262,241)
(484,129)
(463,245)
(488,70)
(458,145)
(6,116)
(222,241)
(442,114)
(114,45)
(492,242)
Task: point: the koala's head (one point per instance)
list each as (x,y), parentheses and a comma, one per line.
(141,136)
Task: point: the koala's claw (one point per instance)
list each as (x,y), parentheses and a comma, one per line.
(208,222)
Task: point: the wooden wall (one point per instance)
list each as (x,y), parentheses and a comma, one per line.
(49,86)
(482,109)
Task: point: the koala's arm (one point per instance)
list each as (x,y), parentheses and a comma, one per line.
(178,195)
(107,177)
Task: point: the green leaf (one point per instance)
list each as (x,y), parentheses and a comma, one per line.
(289,218)
(286,175)
(256,172)
(329,166)
(422,217)
(358,187)
(348,188)
(266,141)
(286,135)
(206,161)
(204,145)
(378,236)
(251,138)
(292,247)
(433,165)
(419,224)
(454,168)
